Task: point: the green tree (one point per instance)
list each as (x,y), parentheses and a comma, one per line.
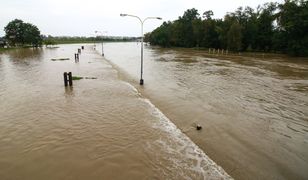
(249,29)
(198,34)
(49,41)
(19,33)
(224,35)
(14,32)
(186,30)
(234,37)
(211,34)
(32,35)
(161,36)
(208,14)
(266,27)
(293,25)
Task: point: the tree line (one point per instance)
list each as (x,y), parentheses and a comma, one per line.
(51,40)
(272,27)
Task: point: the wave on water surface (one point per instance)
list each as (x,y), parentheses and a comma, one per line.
(184,152)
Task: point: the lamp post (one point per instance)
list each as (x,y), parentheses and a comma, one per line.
(102,41)
(142,22)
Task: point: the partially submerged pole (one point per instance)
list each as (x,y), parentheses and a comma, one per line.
(76,57)
(65,78)
(68,78)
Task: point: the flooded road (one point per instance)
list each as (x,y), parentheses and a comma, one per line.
(101,128)
(254,112)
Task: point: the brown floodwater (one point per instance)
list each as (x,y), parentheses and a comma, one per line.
(101,128)
(254,112)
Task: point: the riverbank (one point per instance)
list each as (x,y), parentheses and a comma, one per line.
(101,128)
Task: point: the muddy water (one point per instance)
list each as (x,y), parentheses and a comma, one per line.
(98,129)
(254,112)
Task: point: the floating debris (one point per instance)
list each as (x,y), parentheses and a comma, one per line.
(90,77)
(60,59)
(77,78)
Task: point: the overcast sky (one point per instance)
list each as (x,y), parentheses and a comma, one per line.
(83,17)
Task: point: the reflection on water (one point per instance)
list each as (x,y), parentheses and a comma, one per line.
(24,54)
(253,111)
(98,129)
(69,91)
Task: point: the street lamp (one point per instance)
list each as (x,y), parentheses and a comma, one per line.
(102,41)
(142,22)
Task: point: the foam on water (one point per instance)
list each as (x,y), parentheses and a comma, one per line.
(180,147)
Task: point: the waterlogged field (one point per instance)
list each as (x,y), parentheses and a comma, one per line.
(253,110)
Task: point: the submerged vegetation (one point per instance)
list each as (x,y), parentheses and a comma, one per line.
(77,78)
(273,27)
